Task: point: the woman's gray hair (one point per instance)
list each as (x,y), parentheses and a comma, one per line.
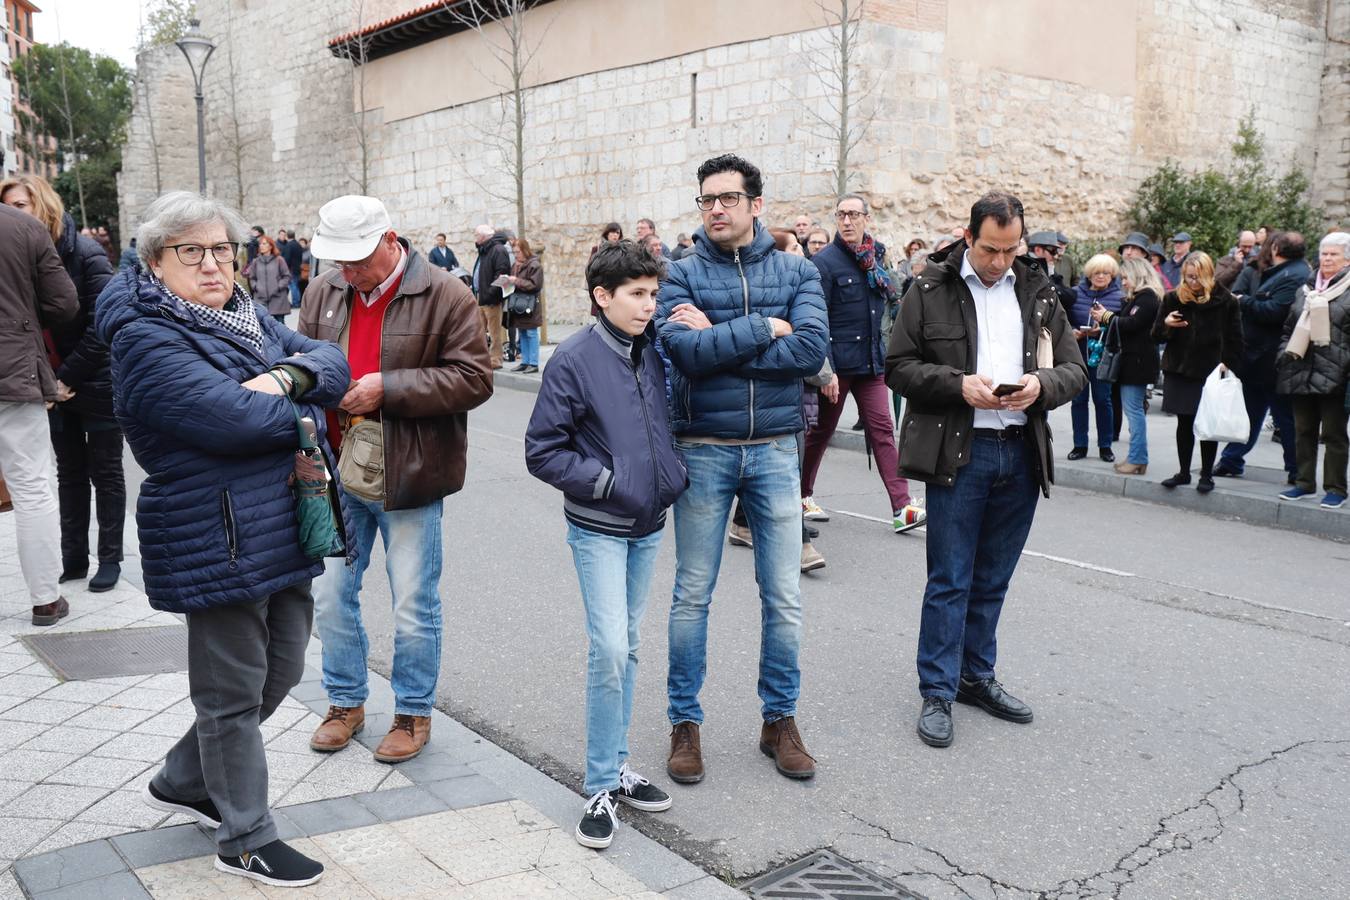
(1337,239)
(175,212)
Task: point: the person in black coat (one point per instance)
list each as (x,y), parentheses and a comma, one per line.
(1265,306)
(1202,326)
(1133,325)
(85,435)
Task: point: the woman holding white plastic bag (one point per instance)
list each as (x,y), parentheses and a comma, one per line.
(1201,324)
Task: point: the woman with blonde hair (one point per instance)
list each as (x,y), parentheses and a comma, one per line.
(1098,289)
(1201,324)
(1138,354)
(85,434)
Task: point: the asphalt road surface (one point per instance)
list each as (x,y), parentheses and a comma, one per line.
(1192,731)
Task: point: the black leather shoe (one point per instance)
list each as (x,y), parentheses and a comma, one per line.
(1177,480)
(1078,453)
(1205,484)
(1106,454)
(105,579)
(990,696)
(935,722)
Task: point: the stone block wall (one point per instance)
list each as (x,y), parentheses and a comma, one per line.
(161,149)
(624,143)
(1331,176)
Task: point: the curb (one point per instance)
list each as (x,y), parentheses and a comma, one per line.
(1222,503)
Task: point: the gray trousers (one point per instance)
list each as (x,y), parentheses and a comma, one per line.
(243,660)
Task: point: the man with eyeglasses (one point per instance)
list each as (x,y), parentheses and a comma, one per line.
(742,324)
(982,351)
(857,290)
(419,363)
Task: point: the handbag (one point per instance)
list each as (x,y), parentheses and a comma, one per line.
(1111,359)
(361,462)
(318,512)
(521,303)
(1222,415)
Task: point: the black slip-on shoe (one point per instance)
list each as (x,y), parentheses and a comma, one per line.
(275,864)
(204,811)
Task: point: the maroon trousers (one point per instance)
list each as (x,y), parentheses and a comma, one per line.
(874,405)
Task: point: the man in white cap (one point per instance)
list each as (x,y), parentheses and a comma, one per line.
(419,363)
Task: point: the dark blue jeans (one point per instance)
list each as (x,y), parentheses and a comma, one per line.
(1260,400)
(1101,404)
(976,530)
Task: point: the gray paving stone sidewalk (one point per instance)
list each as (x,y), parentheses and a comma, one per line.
(464,820)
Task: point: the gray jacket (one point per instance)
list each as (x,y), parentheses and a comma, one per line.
(270,280)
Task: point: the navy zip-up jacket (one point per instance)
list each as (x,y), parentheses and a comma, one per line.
(599,434)
(735,380)
(856,309)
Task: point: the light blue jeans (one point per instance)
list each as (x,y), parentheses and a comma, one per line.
(767,476)
(1132,399)
(412,551)
(615,575)
(529,346)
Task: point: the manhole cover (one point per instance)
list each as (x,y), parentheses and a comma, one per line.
(825,876)
(80,656)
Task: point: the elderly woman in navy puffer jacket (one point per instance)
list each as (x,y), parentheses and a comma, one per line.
(1099,287)
(199,372)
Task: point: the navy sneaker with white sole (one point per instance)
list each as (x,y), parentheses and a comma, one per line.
(204,811)
(275,864)
(596,828)
(639,793)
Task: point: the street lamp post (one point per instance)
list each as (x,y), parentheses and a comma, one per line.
(197,47)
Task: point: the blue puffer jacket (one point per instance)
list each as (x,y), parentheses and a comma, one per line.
(215,516)
(735,380)
(857,310)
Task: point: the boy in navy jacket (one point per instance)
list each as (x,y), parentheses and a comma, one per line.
(599,434)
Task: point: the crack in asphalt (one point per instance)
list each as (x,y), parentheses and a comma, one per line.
(1175,833)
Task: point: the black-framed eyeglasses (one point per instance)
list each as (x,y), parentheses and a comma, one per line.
(193,254)
(850,215)
(729,200)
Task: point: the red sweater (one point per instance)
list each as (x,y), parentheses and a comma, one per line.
(363,345)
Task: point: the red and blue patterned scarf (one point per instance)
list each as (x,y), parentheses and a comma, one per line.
(874,267)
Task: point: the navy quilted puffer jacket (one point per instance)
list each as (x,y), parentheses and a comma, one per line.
(215,515)
(735,380)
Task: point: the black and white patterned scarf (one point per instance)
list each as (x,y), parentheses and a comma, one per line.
(241,321)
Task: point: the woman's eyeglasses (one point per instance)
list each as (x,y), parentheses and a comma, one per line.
(193,254)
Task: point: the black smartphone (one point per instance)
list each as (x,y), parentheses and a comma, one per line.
(1004,390)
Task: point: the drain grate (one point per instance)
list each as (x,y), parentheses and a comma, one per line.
(825,876)
(80,656)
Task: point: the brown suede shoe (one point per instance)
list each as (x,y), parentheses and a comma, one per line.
(405,739)
(686,755)
(339,727)
(51,613)
(781,741)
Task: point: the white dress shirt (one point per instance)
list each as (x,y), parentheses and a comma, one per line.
(369,299)
(998,332)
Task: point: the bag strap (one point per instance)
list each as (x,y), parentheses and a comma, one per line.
(305,442)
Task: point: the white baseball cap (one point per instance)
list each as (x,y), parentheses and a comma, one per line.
(350,228)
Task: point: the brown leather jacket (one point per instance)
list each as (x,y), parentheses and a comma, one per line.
(933,346)
(434,358)
(35,293)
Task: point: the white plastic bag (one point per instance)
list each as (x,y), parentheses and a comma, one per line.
(1223,413)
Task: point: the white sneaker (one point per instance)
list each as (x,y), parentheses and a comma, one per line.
(813,512)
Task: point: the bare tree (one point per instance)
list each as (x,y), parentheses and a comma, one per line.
(501,25)
(849,108)
(237,138)
(355,50)
(144,42)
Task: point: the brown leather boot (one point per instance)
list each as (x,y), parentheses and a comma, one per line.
(51,613)
(686,754)
(781,741)
(339,727)
(405,739)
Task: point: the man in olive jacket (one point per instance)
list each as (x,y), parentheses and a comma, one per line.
(35,293)
(419,363)
(982,350)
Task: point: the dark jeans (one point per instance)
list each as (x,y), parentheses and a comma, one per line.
(243,660)
(1324,413)
(85,458)
(976,530)
(1260,400)
(1101,404)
